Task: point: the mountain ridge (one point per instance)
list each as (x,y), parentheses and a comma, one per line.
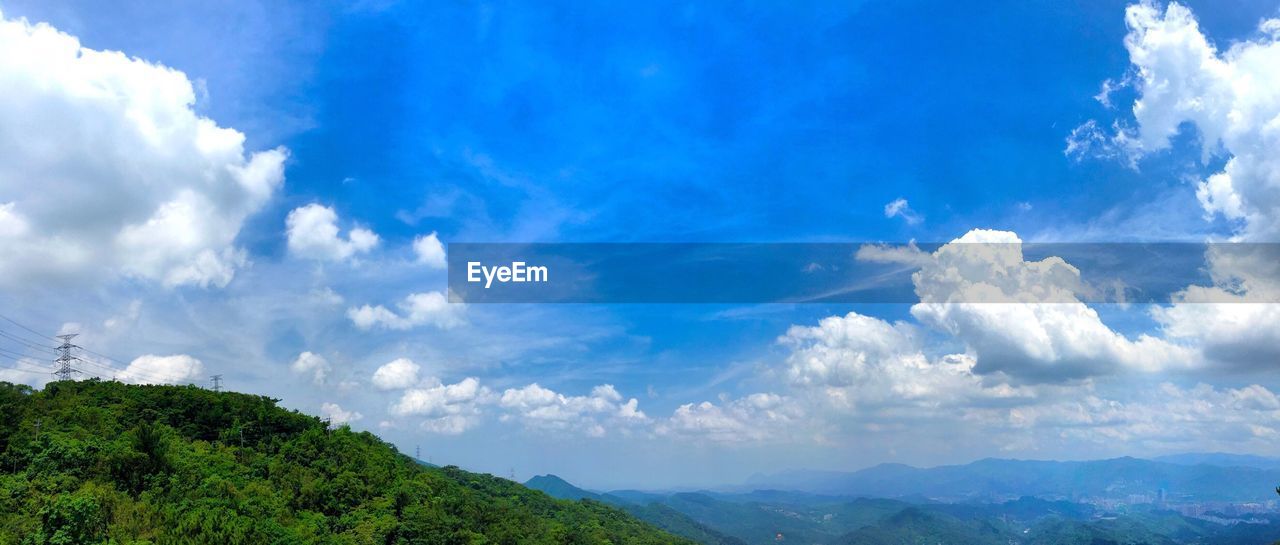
(995,477)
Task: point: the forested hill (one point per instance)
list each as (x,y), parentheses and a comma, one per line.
(104,462)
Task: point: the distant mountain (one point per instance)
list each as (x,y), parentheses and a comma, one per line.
(997,479)
(1221,459)
(916,525)
(639,506)
(559,488)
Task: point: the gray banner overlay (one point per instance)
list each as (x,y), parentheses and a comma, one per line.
(864,273)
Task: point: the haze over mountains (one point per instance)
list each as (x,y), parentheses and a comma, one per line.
(1187,498)
(1190,477)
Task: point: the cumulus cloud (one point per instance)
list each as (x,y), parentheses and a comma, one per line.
(593,414)
(757,417)
(446,408)
(862,363)
(458,407)
(151,369)
(105,167)
(337,415)
(1025,318)
(315,365)
(313,233)
(27,371)
(863,373)
(1163,417)
(398,374)
(430,308)
(1239,336)
(901,209)
(430,251)
(1180,77)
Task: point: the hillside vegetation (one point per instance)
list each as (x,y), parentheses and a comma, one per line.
(107,463)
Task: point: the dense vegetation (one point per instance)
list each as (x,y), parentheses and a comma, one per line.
(107,463)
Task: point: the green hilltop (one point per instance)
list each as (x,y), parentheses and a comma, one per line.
(108,463)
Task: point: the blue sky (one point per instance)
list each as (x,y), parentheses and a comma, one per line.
(671,122)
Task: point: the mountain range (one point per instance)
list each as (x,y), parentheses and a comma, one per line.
(1191,477)
(760,517)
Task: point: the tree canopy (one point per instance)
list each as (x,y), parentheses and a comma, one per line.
(96,462)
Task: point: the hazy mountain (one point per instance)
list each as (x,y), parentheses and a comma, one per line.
(560,488)
(758,517)
(996,478)
(915,525)
(1221,459)
(639,506)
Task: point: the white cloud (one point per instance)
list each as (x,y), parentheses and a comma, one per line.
(26,371)
(308,363)
(899,208)
(430,308)
(594,414)
(1090,141)
(151,369)
(861,363)
(893,253)
(105,168)
(1237,335)
(861,373)
(398,374)
(760,417)
(1160,418)
(1025,318)
(456,408)
(450,424)
(337,415)
(313,233)
(1228,95)
(447,408)
(430,251)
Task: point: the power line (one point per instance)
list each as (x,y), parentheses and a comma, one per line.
(21,370)
(34,370)
(103,356)
(53,349)
(24,342)
(132,373)
(14,354)
(37,333)
(55,352)
(64,357)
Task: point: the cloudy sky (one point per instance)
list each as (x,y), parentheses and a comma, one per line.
(265,191)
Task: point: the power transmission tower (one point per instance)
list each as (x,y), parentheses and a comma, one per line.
(64,359)
(417,453)
(217,383)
